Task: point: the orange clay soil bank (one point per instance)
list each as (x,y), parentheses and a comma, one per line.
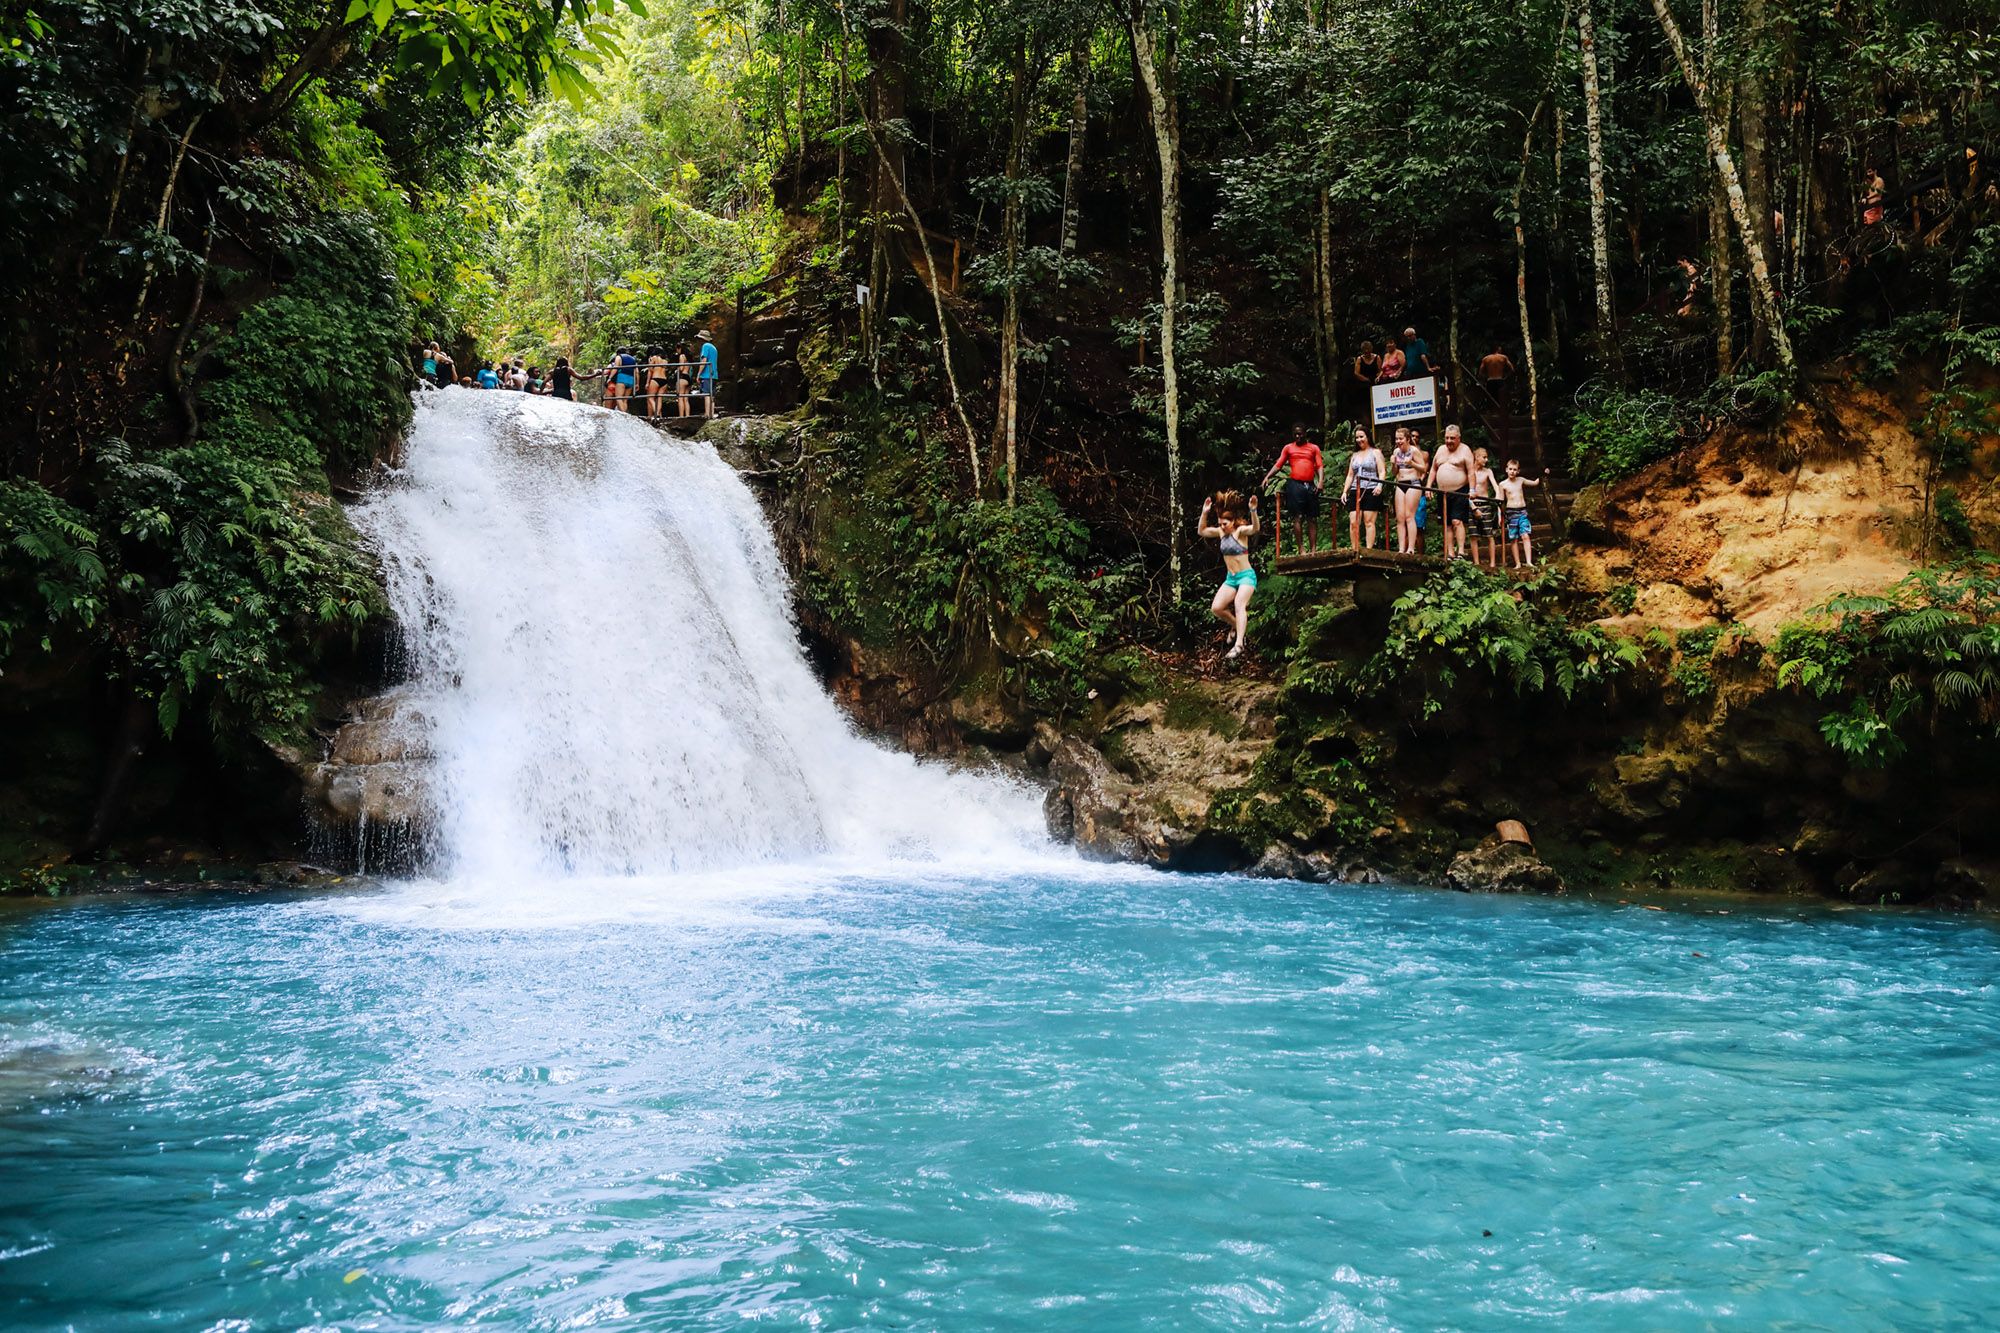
(1759,526)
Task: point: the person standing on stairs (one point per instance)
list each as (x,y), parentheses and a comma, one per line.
(711,371)
(656,382)
(559,380)
(1496,375)
(1485,510)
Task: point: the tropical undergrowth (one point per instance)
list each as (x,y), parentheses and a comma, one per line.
(908,561)
(1463,642)
(1922,659)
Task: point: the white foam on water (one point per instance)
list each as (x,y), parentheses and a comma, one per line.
(602,650)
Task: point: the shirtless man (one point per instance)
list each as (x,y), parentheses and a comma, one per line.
(1514,512)
(1496,374)
(1452,467)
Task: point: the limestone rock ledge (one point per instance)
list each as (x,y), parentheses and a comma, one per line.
(377,767)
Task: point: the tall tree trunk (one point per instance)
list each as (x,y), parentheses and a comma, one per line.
(1155,56)
(887,101)
(1600,225)
(136,719)
(1722,269)
(1451,342)
(1763,293)
(1751,104)
(1007,416)
(916,221)
(1079,126)
(1521,286)
(1324,335)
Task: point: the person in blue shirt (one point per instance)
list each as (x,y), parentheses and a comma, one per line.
(1417,361)
(487,379)
(711,371)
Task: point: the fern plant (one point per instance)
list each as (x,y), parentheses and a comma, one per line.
(1926,651)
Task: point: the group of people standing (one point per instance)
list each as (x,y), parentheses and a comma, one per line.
(641,380)
(1481,516)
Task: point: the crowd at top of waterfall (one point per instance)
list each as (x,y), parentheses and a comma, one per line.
(657,381)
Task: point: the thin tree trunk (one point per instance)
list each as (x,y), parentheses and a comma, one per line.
(1722,271)
(1600,225)
(1763,295)
(1156,71)
(1521,285)
(1007,425)
(1451,341)
(159,225)
(916,220)
(1079,126)
(1750,112)
(324,49)
(1323,306)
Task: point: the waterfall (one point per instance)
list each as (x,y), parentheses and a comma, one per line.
(601,649)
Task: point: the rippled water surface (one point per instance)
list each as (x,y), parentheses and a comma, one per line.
(1062,1100)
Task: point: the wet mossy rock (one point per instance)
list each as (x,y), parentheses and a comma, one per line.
(1498,865)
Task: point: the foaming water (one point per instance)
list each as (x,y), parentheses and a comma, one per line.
(600,639)
(826,1099)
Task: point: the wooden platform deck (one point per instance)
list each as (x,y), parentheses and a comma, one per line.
(1346,562)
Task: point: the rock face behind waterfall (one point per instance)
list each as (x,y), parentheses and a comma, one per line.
(377,766)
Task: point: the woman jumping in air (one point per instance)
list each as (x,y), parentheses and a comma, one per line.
(1233,533)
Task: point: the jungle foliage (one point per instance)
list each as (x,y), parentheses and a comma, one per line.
(1922,659)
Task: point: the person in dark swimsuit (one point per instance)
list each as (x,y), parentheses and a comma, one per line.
(559,380)
(1366,367)
(683,377)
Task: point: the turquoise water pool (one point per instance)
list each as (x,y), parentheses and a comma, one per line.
(1066,1099)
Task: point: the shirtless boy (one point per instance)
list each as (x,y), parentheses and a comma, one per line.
(1485,510)
(1514,511)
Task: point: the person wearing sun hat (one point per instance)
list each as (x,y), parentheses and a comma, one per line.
(711,371)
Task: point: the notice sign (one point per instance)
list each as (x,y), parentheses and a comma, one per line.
(1405,400)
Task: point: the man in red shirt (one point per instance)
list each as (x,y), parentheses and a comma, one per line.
(1301,459)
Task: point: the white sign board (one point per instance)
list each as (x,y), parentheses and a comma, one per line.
(1406,400)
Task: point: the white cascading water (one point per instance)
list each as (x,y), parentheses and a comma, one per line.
(601,647)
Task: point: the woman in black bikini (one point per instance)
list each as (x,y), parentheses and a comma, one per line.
(559,379)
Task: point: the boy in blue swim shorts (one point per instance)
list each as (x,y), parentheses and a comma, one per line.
(1514,509)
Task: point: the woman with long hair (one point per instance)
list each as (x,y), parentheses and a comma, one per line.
(1407,462)
(1232,533)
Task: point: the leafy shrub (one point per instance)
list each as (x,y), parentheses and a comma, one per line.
(1618,431)
(1928,649)
(51,571)
(1694,666)
(1885,353)
(1469,624)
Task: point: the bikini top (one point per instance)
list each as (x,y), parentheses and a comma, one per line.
(1230,546)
